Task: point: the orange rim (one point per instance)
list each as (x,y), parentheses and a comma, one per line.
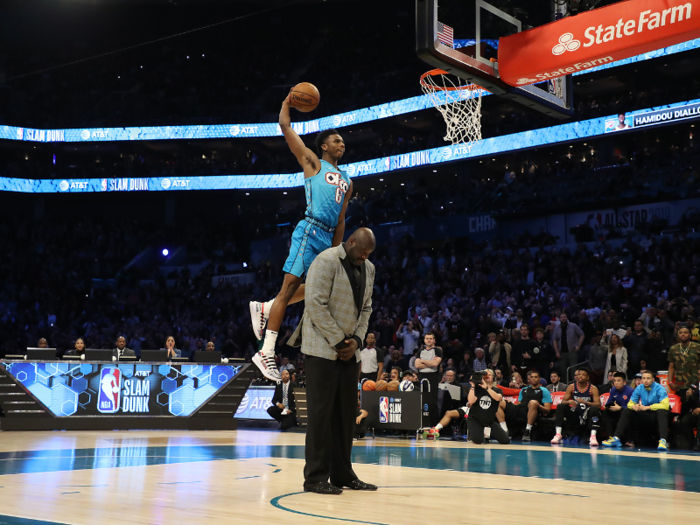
(436,72)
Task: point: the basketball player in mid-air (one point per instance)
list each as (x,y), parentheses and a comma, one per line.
(328,191)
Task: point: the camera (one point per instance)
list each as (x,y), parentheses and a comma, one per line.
(477,378)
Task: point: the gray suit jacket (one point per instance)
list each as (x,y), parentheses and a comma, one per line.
(126,352)
(335,310)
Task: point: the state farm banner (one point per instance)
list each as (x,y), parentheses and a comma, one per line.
(595,38)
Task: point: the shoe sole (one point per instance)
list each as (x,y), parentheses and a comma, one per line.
(255,320)
(257,360)
(324,493)
(613,445)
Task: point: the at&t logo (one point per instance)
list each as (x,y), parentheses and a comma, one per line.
(85,134)
(235,130)
(337,120)
(350,170)
(244,404)
(566,43)
(446,153)
(177,183)
(64,185)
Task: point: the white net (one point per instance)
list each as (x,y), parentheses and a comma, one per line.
(460,105)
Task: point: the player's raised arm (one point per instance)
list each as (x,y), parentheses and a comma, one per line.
(307,159)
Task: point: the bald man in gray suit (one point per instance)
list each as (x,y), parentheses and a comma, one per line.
(338,299)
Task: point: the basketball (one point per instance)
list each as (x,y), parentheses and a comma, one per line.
(393,386)
(382,385)
(304,97)
(369,385)
(406,385)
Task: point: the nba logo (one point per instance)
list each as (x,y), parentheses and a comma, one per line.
(383,409)
(110,391)
(104,184)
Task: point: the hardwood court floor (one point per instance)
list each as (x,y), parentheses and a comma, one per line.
(105,478)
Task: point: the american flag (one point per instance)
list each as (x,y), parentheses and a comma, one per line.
(445,34)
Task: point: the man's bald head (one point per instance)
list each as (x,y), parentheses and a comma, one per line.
(360,245)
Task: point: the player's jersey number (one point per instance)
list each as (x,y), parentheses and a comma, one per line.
(342,187)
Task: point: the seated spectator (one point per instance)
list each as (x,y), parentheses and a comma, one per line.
(690,422)
(409,375)
(42,343)
(609,385)
(450,378)
(480,362)
(580,407)
(393,359)
(620,396)
(500,380)
(648,406)
(534,401)
(210,347)
(121,350)
(283,408)
(637,380)
(395,374)
(483,402)
(170,347)
(556,385)
(516,381)
(466,366)
(79,347)
(286,365)
(616,359)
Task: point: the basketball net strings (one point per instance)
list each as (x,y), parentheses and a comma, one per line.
(142,44)
(460,107)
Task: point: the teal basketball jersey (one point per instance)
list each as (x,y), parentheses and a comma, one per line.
(325,193)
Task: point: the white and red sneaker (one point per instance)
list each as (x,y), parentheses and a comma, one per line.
(267,365)
(593,441)
(258,318)
(557,439)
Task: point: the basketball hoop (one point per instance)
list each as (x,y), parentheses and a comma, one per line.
(459,103)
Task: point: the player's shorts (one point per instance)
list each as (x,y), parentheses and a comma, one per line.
(516,412)
(308,240)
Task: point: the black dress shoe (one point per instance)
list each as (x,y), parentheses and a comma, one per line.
(322,487)
(356,484)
